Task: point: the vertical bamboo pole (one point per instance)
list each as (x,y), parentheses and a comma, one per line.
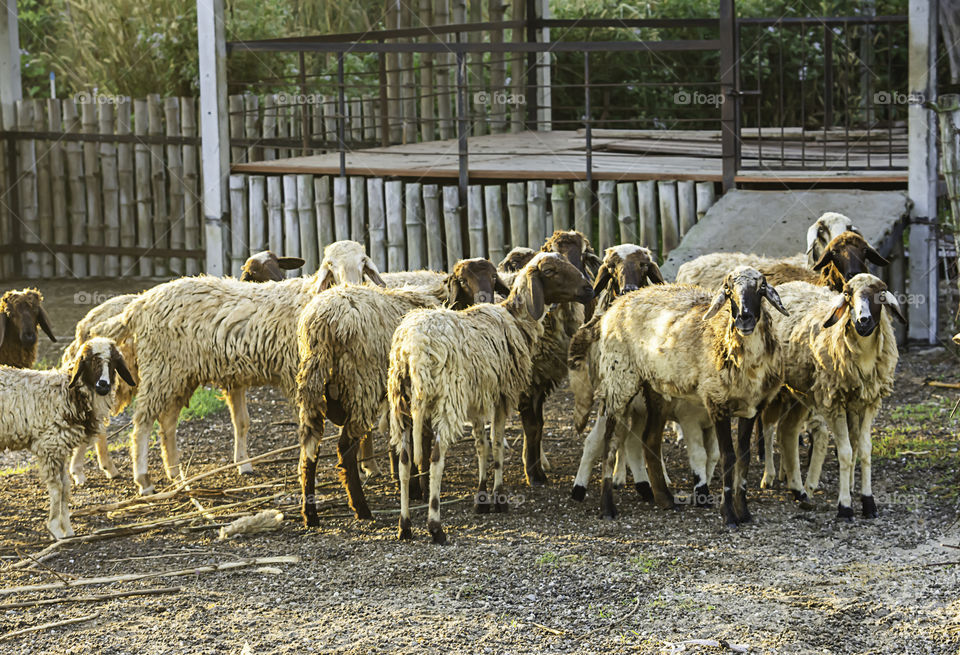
(257,210)
(441,11)
(330,119)
(142,179)
(356,119)
(517,207)
(251,125)
(518,71)
(627,212)
(427,88)
(396,243)
(582,202)
(378,228)
(434,224)
(394,108)
(275,215)
(236,124)
(318,130)
(416,240)
(291,220)
(560,206)
(686,205)
(493,204)
(341,209)
(111,192)
(536,213)
(647,210)
(669,216)
(283,126)
(706,196)
(451,222)
(192,228)
(178,190)
(475,228)
(27,187)
(357,223)
(269,124)
(58,185)
(498,71)
(325,231)
(408,88)
(608,216)
(161,215)
(308,223)
(44,195)
(91,178)
(239,238)
(369,120)
(476,86)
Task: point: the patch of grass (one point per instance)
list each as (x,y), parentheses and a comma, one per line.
(203,403)
(644,564)
(15,470)
(550,558)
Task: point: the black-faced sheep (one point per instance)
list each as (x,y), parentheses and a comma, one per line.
(449,367)
(52,412)
(21,312)
(266,266)
(516,259)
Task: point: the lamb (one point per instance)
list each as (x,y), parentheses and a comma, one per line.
(447,367)
(672,341)
(344,344)
(52,412)
(840,355)
(550,352)
(21,312)
(261,267)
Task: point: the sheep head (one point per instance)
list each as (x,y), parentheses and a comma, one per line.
(345,262)
(864,297)
(575,248)
(626,268)
(268,267)
(823,230)
(472,281)
(845,256)
(548,279)
(516,259)
(97,366)
(745,288)
(21,312)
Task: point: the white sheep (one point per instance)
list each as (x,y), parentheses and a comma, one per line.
(673,342)
(52,412)
(840,354)
(449,367)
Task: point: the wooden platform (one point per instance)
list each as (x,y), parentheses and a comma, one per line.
(622,155)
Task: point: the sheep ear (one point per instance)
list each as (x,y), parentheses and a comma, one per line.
(875,258)
(603,279)
(290,263)
(771,294)
(591,262)
(371,272)
(120,366)
(825,258)
(44,322)
(654,274)
(499,286)
(890,301)
(534,299)
(327,280)
(836,312)
(3,325)
(77,372)
(717,303)
(453,292)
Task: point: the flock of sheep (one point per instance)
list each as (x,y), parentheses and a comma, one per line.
(419,354)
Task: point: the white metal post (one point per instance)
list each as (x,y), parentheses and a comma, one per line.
(922,185)
(10,87)
(215,137)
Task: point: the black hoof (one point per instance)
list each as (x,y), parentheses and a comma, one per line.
(536,478)
(609,514)
(645,491)
(405,534)
(311,520)
(729,516)
(869,507)
(745,517)
(501,507)
(617,485)
(701,496)
(364,514)
(438,536)
(803,500)
(845,513)
(482,503)
(578,493)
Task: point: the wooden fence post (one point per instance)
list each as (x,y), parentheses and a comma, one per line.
(475,227)
(582,204)
(192,232)
(559,203)
(706,196)
(396,244)
(608,216)
(325,231)
(517,208)
(158,178)
(493,204)
(378,228)
(291,220)
(341,209)
(451,220)
(111,192)
(416,239)
(669,218)
(275,215)
(258,212)
(239,251)
(434,226)
(647,211)
(91,180)
(27,183)
(686,205)
(627,212)
(308,223)
(61,226)
(44,193)
(126,195)
(142,178)
(536,213)
(178,189)
(357,223)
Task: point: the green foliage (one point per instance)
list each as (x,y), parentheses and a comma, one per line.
(203,403)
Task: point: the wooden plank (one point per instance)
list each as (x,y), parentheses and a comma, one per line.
(239,224)
(192,228)
(27,188)
(606,190)
(396,243)
(341,209)
(517,208)
(706,196)
(91,180)
(110,191)
(560,206)
(317,131)
(427,87)
(275,215)
(416,238)
(142,179)
(686,205)
(58,182)
(394,107)
(627,212)
(44,193)
(291,220)
(251,125)
(582,204)
(433,217)
(378,228)
(356,119)
(283,126)
(270,124)
(158,183)
(408,89)
(257,211)
(647,213)
(493,204)
(357,204)
(498,71)
(669,216)
(536,213)
(451,222)
(475,226)
(477,88)
(444,72)
(308,223)
(178,190)
(324,200)
(8,213)
(237,128)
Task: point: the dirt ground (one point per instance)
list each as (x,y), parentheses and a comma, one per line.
(548,577)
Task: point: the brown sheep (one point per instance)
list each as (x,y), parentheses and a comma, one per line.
(20,314)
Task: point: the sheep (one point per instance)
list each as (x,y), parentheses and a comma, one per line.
(261,267)
(823,231)
(21,312)
(344,262)
(516,259)
(550,352)
(344,339)
(447,367)
(52,412)
(840,354)
(672,342)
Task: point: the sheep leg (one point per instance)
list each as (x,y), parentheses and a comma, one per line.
(865,444)
(437,457)
(309,444)
(727,465)
(818,454)
(104,460)
(368,460)
(65,501)
(633,453)
(713,451)
(697,456)
(838,424)
(592,449)
(744,436)
(240,417)
(403,460)
(771,417)
(76,464)
(653,454)
(347,447)
(51,475)
(620,470)
(142,424)
(498,435)
(481,503)
(531,416)
(611,442)
(426,447)
(168,441)
(788,437)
